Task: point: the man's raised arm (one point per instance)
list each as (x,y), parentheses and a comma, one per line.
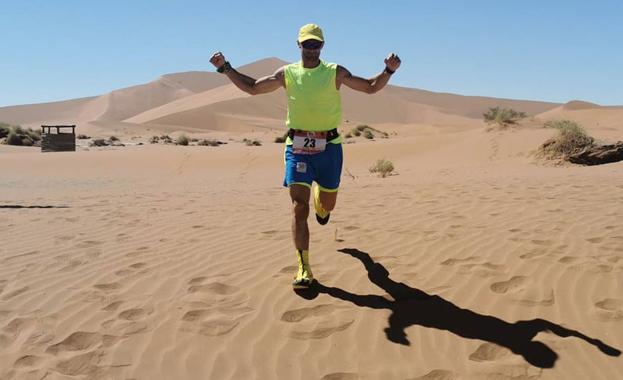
(374,84)
(246,83)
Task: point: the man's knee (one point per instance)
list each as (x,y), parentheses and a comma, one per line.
(301,210)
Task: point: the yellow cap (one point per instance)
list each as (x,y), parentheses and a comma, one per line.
(310,32)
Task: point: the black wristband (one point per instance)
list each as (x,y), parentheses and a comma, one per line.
(224,68)
(388,71)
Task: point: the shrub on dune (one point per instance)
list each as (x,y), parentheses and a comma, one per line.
(182,140)
(503,116)
(383,167)
(571,139)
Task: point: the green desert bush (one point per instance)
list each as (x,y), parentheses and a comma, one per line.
(182,140)
(571,139)
(367,132)
(503,116)
(383,167)
(16,135)
(4,130)
(13,138)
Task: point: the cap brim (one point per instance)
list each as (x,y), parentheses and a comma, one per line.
(310,37)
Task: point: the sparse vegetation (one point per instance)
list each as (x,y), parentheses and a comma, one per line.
(205,142)
(113,138)
(383,167)
(82,137)
(154,140)
(182,140)
(571,139)
(99,142)
(252,142)
(4,130)
(367,132)
(16,135)
(503,116)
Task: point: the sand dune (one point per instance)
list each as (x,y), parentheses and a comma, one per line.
(206,100)
(472,261)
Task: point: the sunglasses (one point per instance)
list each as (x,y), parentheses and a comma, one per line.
(311,44)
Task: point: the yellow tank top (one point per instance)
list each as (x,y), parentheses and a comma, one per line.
(314,104)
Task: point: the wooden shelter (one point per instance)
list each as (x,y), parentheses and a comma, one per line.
(61,141)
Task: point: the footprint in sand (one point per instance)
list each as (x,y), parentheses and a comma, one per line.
(437,374)
(591,267)
(108,286)
(78,341)
(610,309)
(488,352)
(533,253)
(112,306)
(88,244)
(83,364)
(568,259)
(214,288)
(455,261)
(341,376)
(220,317)
(15,293)
(298,315)
(133,314)
(514,283)
(542,242)
(321,332)
(595,240)
(218,327)
(205,322)
(28,361)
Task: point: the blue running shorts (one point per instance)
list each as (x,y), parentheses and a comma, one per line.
(325,168)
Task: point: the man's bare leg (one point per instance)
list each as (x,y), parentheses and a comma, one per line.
(300,202)
(300,234)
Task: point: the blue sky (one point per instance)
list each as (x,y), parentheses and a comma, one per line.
(540,50)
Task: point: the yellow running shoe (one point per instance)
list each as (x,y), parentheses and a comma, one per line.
(322,215)
(304,277)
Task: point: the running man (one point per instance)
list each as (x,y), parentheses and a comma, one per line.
(313,150)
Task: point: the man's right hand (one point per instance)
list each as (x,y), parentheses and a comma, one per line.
(218,59)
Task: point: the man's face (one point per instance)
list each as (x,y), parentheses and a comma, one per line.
(311,49)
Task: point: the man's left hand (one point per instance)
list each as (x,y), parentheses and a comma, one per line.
(392,62)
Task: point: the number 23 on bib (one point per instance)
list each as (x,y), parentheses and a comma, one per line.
(304,142)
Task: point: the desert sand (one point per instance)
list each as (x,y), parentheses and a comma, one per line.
(474,260)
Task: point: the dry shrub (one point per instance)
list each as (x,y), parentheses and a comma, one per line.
(182,140)
(503,116)
(571,139)
(383,167)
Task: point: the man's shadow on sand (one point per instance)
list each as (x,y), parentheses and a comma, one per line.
(414,307)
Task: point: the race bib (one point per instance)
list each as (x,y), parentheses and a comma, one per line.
(304,142)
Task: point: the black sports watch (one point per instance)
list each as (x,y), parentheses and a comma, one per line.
(388,71)
(224,68)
